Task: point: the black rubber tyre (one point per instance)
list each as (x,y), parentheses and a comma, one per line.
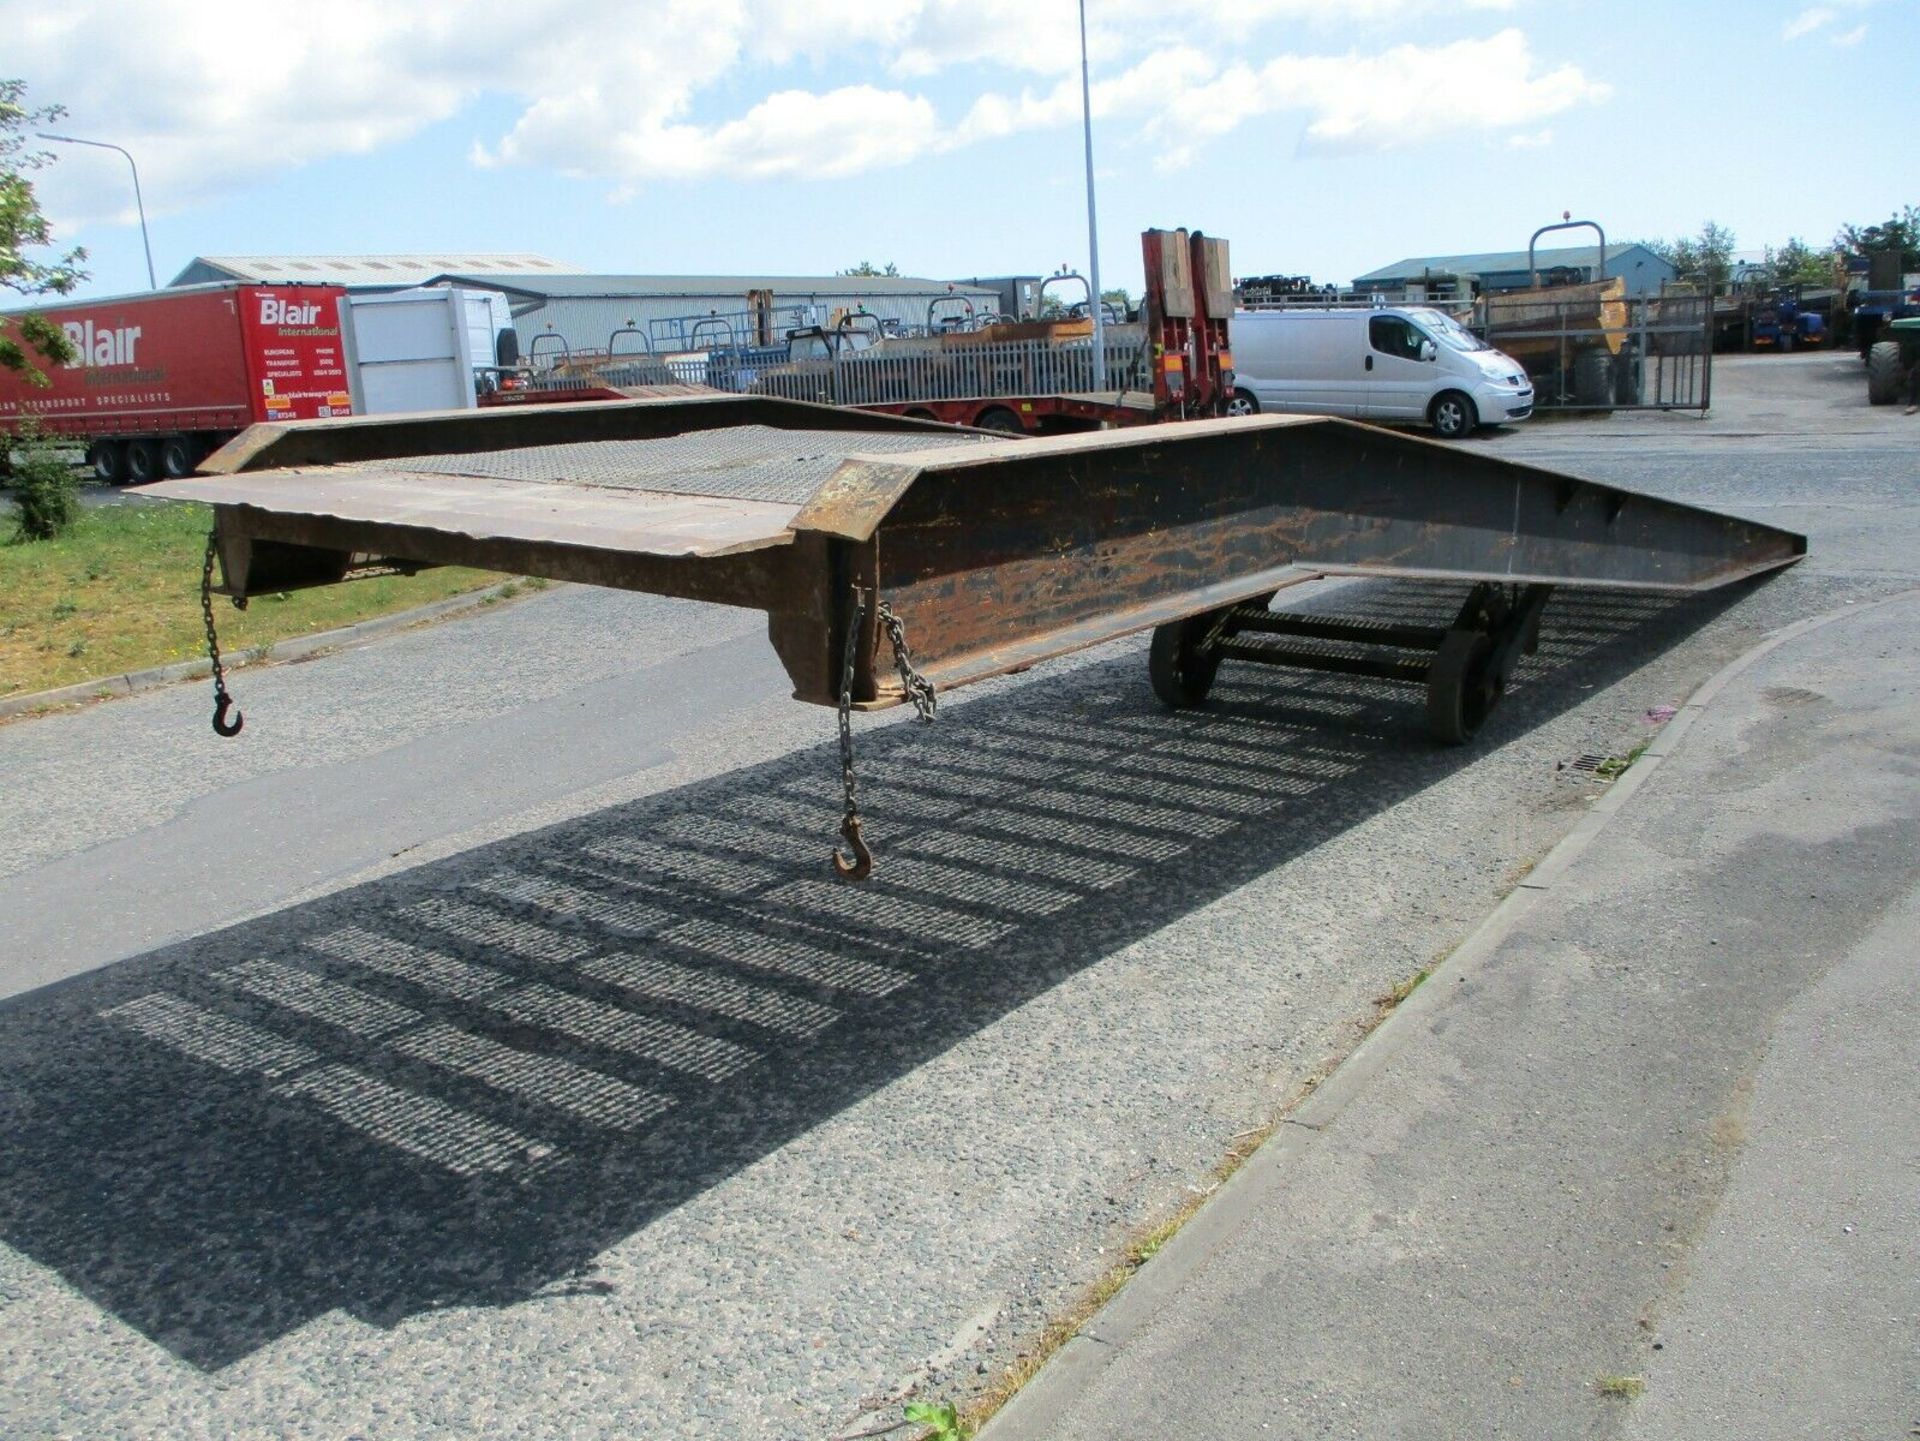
(1453,415)
(919,412)
(109,461)
(143,462)
(1242,403)
(1884,373)
(1000,418)
(1593,379)
(1629,374)
(178,456)
(1461,689)
(1180,677)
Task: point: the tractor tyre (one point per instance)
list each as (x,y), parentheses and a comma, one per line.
(1885,373)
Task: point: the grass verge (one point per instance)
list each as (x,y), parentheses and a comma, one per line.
(120,591)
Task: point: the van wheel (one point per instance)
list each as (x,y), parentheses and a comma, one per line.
(109,461)
(1453,415)
(1241,402)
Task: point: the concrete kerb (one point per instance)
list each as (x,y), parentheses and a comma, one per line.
(293,648)
(1038,1407)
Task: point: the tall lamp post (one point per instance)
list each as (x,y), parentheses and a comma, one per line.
(138,203)
(1093,237)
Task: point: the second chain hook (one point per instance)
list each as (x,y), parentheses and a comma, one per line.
(917,689)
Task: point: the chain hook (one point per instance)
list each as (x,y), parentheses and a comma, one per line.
(222,702)
(861,866)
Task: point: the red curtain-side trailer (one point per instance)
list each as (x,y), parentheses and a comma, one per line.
(161,378)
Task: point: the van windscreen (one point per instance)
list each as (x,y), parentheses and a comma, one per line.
(1448,330)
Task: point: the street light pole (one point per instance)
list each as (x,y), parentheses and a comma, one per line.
(138,204)
(1093,234)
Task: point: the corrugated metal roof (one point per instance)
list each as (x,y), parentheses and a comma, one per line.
(394,270)
(1496,262)
(577,286)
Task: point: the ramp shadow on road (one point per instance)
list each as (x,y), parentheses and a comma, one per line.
(458,1085)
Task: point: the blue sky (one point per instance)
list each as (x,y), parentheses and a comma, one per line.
(729,136)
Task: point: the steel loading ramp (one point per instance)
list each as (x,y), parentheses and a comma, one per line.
(993,553)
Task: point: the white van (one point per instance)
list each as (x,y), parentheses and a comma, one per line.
(1383,363)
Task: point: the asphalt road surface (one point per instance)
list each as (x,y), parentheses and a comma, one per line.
(475,1046)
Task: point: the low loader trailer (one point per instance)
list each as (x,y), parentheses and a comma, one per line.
(896,558)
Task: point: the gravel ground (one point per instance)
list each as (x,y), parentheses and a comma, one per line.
(596,1112)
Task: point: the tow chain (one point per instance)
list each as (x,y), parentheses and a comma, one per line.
(919,690)
(222,702)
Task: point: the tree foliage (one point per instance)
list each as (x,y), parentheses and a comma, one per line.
(1707,256)
(1797,263)
(868,268)
(1899,231)
(23,229)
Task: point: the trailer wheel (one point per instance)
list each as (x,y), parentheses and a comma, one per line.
(1181,676)
(1461,687)
(109,461)
(1884,373)
(998,417)
(1243,403)
(178,456)
(1453,415)
(143,462)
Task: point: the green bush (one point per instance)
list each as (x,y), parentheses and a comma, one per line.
(42,485)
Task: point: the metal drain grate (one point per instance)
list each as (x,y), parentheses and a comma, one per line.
(1586,767)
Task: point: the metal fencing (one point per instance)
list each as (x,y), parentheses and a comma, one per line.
(894,372)
(1652,352)
(927,370)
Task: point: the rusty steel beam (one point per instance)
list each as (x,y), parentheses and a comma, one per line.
(997,559)
(996,554)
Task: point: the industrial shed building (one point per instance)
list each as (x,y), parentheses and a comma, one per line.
(361,272)
(585,310)
(1500,270)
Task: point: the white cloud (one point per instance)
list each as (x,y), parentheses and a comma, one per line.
(1404,96)
(213,95)
(1817,17)
(1537,140)
(1807,21)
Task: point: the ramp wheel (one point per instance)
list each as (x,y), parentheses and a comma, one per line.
(1461,686)
(1180,672)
